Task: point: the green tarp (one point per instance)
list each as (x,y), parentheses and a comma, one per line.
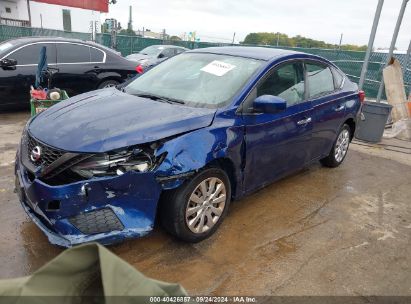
(87,270)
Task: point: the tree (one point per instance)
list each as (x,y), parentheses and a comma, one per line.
(127,32)
(281,39)
(175,38)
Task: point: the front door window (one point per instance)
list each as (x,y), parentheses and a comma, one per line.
(286,82)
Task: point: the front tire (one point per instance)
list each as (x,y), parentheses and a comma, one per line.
(339,149)
(194,211)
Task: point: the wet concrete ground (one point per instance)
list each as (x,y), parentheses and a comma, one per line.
(343,231)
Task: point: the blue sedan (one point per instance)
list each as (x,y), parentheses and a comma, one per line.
(181,142)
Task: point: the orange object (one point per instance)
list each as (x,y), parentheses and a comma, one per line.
(409,108)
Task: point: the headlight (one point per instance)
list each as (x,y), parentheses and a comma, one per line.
(116,164)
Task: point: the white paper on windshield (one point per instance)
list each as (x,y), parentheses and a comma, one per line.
(218,68)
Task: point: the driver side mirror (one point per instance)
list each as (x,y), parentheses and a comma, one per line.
(161,55)
(8,63)
(269,104)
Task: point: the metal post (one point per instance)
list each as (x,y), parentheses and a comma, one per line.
(341,38)
(370,43)
(29,11)
(233,38)
(407,62)
(393,42)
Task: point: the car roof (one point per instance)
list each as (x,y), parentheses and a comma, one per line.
(25,40)
(166,46)
(261,53)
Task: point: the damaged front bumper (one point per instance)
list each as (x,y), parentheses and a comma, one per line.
(107,210)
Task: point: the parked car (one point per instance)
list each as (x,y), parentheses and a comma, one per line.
(154,54)
(82,67)
(181,141)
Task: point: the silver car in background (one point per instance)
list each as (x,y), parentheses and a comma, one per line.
(154,54)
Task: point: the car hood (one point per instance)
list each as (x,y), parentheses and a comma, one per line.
(108,119)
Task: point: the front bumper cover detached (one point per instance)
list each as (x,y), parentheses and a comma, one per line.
(107,210)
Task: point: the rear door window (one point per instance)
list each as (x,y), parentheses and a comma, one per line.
(30,54)
(73,53)
(320,79)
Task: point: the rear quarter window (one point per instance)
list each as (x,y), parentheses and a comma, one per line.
(96,55)
(338,78)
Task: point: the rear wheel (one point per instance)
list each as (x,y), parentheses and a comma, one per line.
(194,211)
(339,149)
(108,84)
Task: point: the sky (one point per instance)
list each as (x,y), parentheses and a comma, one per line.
(218,20)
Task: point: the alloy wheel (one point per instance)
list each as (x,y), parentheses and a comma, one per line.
(206,205)
(341,146)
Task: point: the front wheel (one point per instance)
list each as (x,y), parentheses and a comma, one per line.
(194,211)
(339,149)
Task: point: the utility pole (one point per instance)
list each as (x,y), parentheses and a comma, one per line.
(278,38)
(370,43)
(29,11)
(393,42)
(233,38)
(130,19)
(341,38)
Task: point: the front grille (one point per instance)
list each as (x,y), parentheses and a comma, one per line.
(55,163)
(48,154)
(99,221)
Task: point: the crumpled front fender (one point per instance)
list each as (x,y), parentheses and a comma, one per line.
(191,152)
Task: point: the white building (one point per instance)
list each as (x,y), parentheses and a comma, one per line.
(67,15)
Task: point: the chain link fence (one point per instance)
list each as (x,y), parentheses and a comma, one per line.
(348,61)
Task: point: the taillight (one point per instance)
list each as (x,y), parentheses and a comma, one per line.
(361,95)
(139,69)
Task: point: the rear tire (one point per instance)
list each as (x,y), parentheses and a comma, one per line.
(195,210)
(108,84)
(339,149)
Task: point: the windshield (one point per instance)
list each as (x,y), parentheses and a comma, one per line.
(197,79)
(153,50)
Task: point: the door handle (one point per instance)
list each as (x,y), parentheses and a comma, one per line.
(304,121)
(340,108)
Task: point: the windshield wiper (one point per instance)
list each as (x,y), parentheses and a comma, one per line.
(160,98)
